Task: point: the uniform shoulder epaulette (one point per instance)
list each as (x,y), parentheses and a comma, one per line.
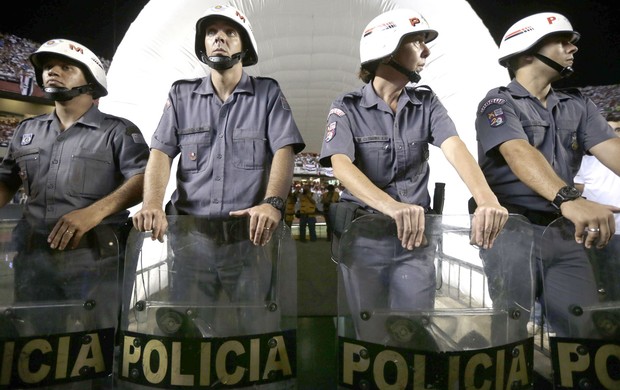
(569,91)
(187,81)
(265,78)
(423,88)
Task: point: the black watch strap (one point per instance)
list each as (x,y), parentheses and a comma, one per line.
(276,202)
(565,194)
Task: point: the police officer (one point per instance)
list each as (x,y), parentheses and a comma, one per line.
(236,139)
(377,142)
(81,169)
(531,139)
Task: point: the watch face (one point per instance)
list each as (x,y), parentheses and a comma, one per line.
(569,192)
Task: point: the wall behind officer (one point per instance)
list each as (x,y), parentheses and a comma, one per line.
(236,138)
(377,141)
(531,139)
(79,167)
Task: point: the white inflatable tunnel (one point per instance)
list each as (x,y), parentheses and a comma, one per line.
(312,49)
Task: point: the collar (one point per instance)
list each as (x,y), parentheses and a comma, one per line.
(370,97)
(92,118)
(245,85)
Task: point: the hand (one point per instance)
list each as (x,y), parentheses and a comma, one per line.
(151,219)
(264,219)
(410,221)
(70,228)
(592,220)
(487,223)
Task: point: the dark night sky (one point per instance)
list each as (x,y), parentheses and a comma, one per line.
(101,25)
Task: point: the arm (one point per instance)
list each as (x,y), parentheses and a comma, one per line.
(83,220)
(530,166)
(490,216)
(264,218)
(409,218)
(607,153)
(152,216)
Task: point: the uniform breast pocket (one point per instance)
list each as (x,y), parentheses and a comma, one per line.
(28,161)
(568,137)
(374,158)
(418,155)
(195,144)
(250,150)
(92,174)
(535,130)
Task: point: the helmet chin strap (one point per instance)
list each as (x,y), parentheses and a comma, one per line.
(412,75)
(564,71)
(64,94)
(222,62)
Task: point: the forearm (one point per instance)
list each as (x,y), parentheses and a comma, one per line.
(531,167)
(358,184)
(468,170)
(125,196)
(281,174)
(156,179)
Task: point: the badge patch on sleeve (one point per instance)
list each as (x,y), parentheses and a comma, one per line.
(496,117)
(27,139)
(331,131)
(491,101)
(336,111)
(284,103)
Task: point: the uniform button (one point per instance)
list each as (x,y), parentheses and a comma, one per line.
(192,156)
(221,136)
(50,186)
(216,201)
(55,162)
(218,178)
(219,156)
(386,147)
(399,147)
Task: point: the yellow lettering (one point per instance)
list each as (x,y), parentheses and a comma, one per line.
(479,359)
(419,372)
(255,360)
(402,376)
(600,365)
(566,351)
(205,364)
(155,346)
(454,363)
(518,368)
(131,355)
(273,364)
(178,379)
(499,369)
(62,362)
(7,362)
(349,365)
(90,355)
(220,362)
(23,363)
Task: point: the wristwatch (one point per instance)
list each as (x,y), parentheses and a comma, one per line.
(565,194)
(276,202)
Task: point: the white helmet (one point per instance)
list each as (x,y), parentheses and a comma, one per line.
(91,65)
(383,34)
(528,32)
(232,14)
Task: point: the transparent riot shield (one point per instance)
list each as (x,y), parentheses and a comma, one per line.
(59,308)
(581,305)
(208,309)
(445,315)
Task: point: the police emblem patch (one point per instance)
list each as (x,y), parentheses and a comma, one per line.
(496,117)
(331,132)
(27,139)
(336,111)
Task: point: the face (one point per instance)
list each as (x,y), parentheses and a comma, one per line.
(559,48)
(412,52)
(61,73)
(222,39)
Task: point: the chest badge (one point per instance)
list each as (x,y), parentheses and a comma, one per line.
(27,139)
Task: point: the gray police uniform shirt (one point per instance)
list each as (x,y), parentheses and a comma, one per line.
(69,170)
(563,131)
(225,148)
(391,149)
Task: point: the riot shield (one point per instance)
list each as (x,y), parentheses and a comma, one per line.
(444,315)
(208,309)
(59,308)
(582,308)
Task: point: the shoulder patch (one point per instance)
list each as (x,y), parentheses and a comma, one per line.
(330,132)
(135,134)
(336,111)
(496,100)
(284,103)
(496,117)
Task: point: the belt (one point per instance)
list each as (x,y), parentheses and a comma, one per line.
(227,231)
(541,218)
